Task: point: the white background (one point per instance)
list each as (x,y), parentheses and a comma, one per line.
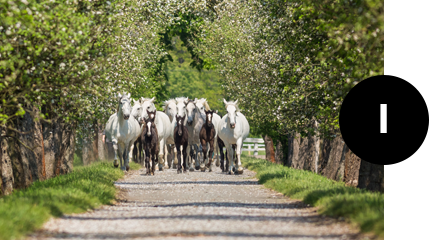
(406,32)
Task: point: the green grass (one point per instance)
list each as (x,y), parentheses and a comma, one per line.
(362,208)
(87,187)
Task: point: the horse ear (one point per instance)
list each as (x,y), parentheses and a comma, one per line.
(153,99)
(129,95)
(119,95)
(235,103)
(140,100)
(224,101)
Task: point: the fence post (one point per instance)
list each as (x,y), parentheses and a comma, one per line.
(255,152)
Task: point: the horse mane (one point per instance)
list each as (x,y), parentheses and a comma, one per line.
(205,103)
(232,104)
(167,102)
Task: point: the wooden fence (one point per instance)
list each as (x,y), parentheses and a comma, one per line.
(253,145)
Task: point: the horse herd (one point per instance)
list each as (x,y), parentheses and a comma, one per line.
(178,131)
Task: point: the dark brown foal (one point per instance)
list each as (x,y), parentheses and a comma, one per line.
(150,143)
(207,135)
(181,139)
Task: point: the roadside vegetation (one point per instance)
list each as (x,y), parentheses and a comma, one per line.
(361,207)
(87,187)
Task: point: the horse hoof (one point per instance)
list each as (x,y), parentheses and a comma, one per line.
(203,169)
(116,165)
(191,169)
(197,168)
(160,168)
(127,168)
(230,172)
(217,164)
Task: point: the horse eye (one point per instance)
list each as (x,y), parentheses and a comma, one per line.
(138,108)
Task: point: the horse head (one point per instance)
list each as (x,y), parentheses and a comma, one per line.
(146,105)
(209,118)
(137,110)
(170,108)
(181,106)
(150,122)
(231,108)
(124,105)
(179,122)
(191,109)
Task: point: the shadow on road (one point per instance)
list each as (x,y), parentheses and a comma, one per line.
(191,182)
(194,234)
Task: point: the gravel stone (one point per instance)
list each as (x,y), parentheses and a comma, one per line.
(197,205)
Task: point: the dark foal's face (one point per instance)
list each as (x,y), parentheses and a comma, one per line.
(179,121)
(150,123)
(209,118)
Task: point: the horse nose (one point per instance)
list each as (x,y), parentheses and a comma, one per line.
(189,122)
(126,116)
(232,125)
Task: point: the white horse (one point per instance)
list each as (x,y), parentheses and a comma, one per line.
(162,122)
(170,110)
(233,129)
(195,121)
(202,105)
(123,131)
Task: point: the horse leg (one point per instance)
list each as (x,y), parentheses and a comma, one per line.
(147,159)
(210,155)
(189,157)
(127,157)
(179,164)
(115,149)
(185,155)
(239,168)
(152,157)
(175,155)
(129,152)
(204,144)
(230,159)
(216,149)
(121,154)
(161,154)
(197,160)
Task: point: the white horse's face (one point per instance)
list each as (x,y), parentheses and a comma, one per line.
(181,109)
(171,109)
(147,106)
(232,114)
(191,109)
(125,105)
(200,107)
(137,110)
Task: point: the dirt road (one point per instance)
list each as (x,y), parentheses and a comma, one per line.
(199,206)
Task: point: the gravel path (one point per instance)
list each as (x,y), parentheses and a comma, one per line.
(197,205)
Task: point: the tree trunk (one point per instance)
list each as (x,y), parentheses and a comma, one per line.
(371,176)
(6,173)
(269,148)
(279,153)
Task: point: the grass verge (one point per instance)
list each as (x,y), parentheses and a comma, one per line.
(360,207)
(87,187)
